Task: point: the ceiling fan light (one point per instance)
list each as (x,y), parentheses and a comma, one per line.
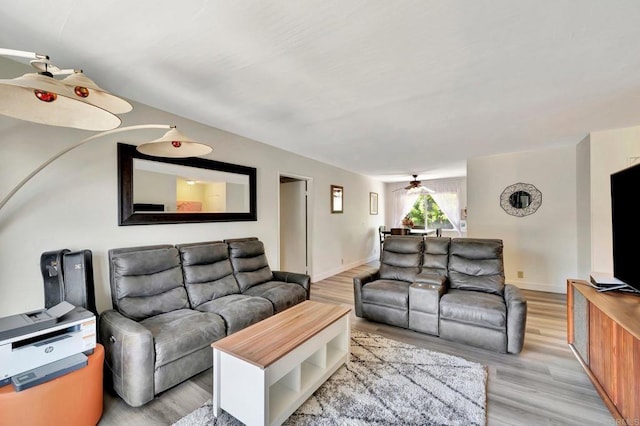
(42,99)
(88,91)
(174,144)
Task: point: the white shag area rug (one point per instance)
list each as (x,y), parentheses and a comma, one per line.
(386,383)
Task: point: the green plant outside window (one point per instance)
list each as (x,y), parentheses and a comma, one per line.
(426,213)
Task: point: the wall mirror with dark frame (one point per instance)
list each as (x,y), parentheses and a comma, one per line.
(155,190)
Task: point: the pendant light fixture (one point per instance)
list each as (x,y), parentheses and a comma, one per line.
(174,144)
(39,97)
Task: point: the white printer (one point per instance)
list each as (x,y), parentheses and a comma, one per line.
(34,339)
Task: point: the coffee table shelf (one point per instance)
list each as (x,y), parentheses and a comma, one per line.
(264,374)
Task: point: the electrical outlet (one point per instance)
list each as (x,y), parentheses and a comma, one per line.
(520,274)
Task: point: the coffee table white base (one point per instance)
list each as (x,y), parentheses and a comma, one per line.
(268,396)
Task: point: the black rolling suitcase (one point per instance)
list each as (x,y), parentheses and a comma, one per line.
(51,268)
(68,276)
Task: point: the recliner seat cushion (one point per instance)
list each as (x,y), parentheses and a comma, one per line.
(182,332)
(148,282)
(473,307)
(394,294)
(250,265)
(239,310)
(281,295)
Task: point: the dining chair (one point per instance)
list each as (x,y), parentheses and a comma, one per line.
(381,231)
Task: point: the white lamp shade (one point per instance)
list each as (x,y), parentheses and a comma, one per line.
(87,90)
(18,100)
(174,145)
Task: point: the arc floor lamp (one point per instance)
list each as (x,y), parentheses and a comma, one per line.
(77,102)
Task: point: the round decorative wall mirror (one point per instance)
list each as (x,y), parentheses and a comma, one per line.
(520,199)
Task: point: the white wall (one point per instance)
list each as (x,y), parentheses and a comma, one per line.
(610,151)
(215,194)
(542,245)
(237,196)
(73,204)
(154,188)
(583,207)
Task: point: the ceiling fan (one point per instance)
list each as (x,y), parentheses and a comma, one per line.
(416,186)
(415,183)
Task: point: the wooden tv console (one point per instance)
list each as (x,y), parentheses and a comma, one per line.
(603,331)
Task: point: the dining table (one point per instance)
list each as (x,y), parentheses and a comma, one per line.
(423,232)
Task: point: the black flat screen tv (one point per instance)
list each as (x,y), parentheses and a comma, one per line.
(625,202)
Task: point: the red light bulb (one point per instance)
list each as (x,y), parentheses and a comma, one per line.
(81,92)
(45,96)
(176,144)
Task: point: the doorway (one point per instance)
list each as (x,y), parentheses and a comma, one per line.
(294,223)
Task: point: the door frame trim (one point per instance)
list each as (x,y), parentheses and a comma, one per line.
(309,218)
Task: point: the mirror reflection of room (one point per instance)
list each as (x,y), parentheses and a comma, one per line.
(170,188)
(520,199)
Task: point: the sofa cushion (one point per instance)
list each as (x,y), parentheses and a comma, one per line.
(281,295)
(390,293)
(239,310)
(147,282)
(477,265)
(182,332)
(473,307)
(207,272)
(250,265)
(436,255)
(401,257)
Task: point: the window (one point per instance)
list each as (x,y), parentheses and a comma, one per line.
(426,213)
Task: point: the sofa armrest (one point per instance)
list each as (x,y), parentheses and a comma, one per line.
(516,318)
(425,293)
(129,357)
(358,282)
(291,277)
(424,304)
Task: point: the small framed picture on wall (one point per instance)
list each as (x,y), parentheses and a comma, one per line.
(337,194)
(373,203)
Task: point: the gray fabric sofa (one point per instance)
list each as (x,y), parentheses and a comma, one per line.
(171,302)
(452,288)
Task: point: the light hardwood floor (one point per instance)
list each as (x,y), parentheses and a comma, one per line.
(543,385)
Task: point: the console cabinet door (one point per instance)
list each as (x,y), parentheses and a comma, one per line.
(603,330)
(627,393)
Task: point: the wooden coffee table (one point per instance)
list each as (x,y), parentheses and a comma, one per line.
(263,373)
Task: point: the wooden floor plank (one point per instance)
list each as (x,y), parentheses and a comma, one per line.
(544,385)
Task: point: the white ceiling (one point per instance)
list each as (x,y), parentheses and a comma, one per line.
(383,88)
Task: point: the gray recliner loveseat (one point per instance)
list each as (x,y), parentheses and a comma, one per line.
(171,302)
(452,288)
